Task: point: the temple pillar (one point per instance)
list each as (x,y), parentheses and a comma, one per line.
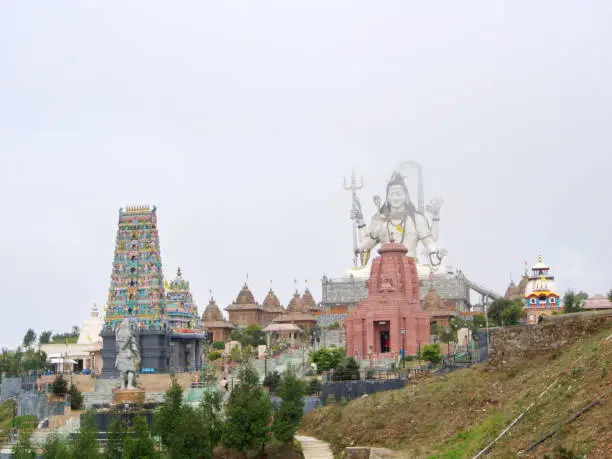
(395,343)
(268,338)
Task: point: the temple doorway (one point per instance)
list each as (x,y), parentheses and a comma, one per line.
(385,346)
(382,336)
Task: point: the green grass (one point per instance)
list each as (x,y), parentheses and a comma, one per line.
(470,441)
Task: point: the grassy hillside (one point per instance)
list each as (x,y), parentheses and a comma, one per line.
(456,415)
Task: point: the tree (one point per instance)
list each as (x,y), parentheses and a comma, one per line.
(247,414)
(210,410)
(115,439)
(138,442)
(289,414)
(610,295)
(252,335)
(511,315)
(572,302)
(327,358)
(347,370)
(29,338)
(45,337)
(76,398)
(168,416)
(431,353)
(59,386)
(55,448)
(272,380)
(497,308)
(24,449)
(479,321)
(85,444)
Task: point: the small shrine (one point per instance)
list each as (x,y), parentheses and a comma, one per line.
(183,314)
(217,327)
(245,310)
(390,320)
(272,307)
(298,313)
(540,297)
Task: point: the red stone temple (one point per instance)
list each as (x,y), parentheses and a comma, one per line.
(390,318)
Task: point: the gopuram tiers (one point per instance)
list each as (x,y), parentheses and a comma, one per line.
(183,315)
(166,323)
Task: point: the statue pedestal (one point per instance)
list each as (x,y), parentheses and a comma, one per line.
(129,396)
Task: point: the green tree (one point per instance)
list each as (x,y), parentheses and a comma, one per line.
(497,308)
(76,398)
(113,449)
(479,321)
(210,411)
(572,302)
(24,449)
(45,337)
(252,335)
(272,380)
(347,370)
(29,338)
(327,358)
(33,359)
(167,418)
(289,414)
(138,443)
(85,444)
(219,345)
(511,315)
(55,448)
(431,353)
(247,413)
(59,386)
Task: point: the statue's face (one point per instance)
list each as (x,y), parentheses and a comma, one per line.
(396,196)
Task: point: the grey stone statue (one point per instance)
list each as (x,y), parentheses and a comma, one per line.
(128,355)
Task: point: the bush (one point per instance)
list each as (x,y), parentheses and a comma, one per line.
(327,358)
(410,358)
(370,374)
(26,422)
(347,370)
(272,380)
(314,387)
(59,386)
(219,345)
(214,355)
(76,398)
(431,353)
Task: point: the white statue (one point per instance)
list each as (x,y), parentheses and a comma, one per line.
(399,221)
(128,355)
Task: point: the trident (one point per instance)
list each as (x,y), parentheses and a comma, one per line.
(353,187)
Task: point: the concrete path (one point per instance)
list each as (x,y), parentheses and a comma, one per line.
(314,449)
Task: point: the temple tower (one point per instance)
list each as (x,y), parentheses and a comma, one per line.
(390,320)
(540,296)
(137,292)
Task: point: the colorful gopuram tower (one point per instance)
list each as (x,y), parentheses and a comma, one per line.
(137,293)
(541,297)
(183,315)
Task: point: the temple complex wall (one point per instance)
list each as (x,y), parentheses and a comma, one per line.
(522,342)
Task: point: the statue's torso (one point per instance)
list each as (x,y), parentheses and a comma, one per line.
(400,230)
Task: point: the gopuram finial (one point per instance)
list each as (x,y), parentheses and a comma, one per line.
(179,273)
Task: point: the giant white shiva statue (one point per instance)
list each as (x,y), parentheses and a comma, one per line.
(397,220)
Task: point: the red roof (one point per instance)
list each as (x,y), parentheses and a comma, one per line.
(597,302)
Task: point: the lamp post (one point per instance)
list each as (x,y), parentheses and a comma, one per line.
(403,333)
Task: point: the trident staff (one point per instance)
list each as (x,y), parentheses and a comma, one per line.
(353,187)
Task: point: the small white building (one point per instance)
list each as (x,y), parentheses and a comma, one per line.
(82,355)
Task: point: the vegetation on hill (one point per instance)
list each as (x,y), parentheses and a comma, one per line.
(457,415)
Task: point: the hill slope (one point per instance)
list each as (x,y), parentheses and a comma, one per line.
(456,415)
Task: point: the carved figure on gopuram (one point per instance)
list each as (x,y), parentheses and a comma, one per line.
(397,220)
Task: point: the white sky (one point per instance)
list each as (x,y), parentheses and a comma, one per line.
(239,119)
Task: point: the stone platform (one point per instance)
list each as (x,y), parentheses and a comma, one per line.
(129,396)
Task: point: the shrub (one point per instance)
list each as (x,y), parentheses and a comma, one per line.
(272,380)
(59,386)
(431,353)
(219,345)
(76,398)
(214,355)
(314,387)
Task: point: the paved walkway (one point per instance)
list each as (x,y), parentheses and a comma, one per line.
(314,449)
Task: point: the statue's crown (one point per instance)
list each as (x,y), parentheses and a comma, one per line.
(397,179)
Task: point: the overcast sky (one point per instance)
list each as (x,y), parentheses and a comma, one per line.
(239,120)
